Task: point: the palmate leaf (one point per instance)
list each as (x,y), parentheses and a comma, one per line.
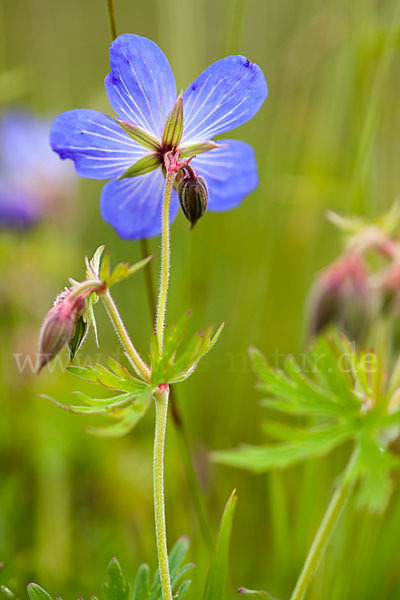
(127,419)
(175,365)
(305,445)
(143,590)
(126,408)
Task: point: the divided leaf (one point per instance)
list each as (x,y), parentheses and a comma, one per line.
(175,366)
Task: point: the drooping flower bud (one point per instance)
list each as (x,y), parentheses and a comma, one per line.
(60,323)
(340,296)
(193,195)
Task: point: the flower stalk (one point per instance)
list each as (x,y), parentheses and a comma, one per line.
(126,341)
(165,256)
(325,530)
(161,401)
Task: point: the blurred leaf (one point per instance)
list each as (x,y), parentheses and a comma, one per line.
(262,458)
(124,270)
(141,590)
(216,580)
(115,587)
(373,467)
(255,594)
(142,583)
(8,593)
(35,592)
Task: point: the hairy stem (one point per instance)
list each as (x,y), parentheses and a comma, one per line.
(126,341)
(161,400)
(165,254)
(325,531)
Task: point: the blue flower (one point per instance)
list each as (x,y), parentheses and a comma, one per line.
(32,181)
(142,91)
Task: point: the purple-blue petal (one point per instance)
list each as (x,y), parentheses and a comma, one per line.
(133,205)
(227,94)
(18,209)
(141,86)
(230,172)
(24,148)
(98,146)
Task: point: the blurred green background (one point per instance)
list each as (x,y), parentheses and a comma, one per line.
(327,137)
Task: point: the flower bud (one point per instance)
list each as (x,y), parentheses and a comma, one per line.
(59,325)
(193,196)
(340,296)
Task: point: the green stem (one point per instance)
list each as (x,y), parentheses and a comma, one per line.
(325,531)
(112,19)
(161,400)
(165,253)
(126,341)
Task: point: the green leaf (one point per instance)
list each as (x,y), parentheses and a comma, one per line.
(35,592)
(8,593)
(255,594)
(129,418)
(105,268)
(176,557)
(115,587)
(142,166)
(93,265)
(373,468)
(142,583)
(263,458)
(124,270)
(215,585)
(99,374)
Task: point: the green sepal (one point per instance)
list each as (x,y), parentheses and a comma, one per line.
(81,329)
(139,135)
(173,129)
(216,580)
(142,166)
(197,148)
(115,587)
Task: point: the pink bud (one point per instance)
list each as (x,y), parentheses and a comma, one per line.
(59,324)
(340,296)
